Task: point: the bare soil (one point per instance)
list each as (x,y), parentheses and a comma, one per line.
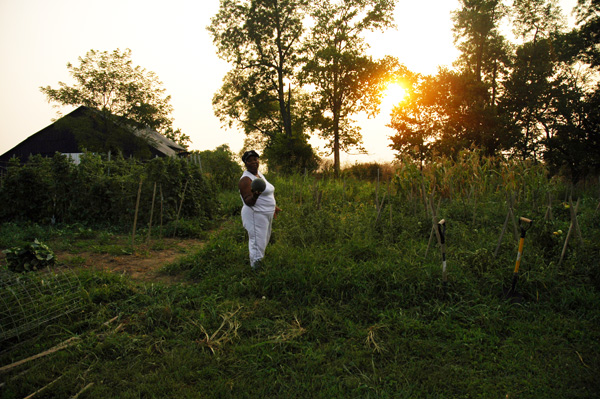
(143,264)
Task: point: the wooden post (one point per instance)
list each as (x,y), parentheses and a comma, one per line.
(180,206)
(434,223)
(379,208)
(474,209)
(161,210)
(573,227)
(573,212)
(137,207)
(151,212)
(509,215)
(377,192)
(548,216)
(511,211)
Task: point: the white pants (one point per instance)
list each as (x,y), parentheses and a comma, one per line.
(258,226)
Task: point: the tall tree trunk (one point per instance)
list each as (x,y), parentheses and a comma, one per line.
(336,145)
(284,107)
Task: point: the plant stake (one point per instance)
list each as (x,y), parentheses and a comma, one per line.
(442,230)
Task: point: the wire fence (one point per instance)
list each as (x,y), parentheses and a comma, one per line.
(31,300)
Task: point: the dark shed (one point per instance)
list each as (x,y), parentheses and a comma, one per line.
(92,130)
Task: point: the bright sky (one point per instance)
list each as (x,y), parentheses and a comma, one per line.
(39,37)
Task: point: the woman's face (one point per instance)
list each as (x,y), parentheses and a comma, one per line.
(252,164)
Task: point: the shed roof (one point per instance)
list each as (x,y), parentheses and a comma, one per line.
(93,130)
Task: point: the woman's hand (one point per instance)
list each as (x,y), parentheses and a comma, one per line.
(277,210)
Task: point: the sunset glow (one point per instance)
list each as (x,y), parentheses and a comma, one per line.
(394,94)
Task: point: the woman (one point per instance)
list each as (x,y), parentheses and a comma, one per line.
(259,209)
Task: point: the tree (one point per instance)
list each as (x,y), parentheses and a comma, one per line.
(574,146)
(536,19)
(221,166)
(583,42)
(109,82)
(534,80)
(444,115)
(261,39)
(345,80)
(473,91)
(528,97)
(476,35)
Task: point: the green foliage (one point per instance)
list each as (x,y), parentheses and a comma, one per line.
(109,82)
(290,155)
(102,192)
(33,256)
(346,81)
(531,99)
(349,304)
(221,167)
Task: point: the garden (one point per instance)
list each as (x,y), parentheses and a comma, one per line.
(394,281)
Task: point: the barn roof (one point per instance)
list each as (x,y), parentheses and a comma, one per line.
(92,130)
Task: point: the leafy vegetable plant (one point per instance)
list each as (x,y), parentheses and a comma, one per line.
(30,257)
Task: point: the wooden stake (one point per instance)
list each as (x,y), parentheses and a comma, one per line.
(151,212)
(85,388)
(62,345)
(509,215)
(434,223)
(377,192)
(573,212)
(474,209)
(574,226)
(161,210)
(379,208)
(137,207)
(548,216)
(180,206)
(42,388)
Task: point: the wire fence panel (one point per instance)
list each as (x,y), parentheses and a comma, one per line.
(30,300)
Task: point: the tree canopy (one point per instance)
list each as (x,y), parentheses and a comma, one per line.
(282,62)
(345,80)
(108,81)
(261,39)
(530,98)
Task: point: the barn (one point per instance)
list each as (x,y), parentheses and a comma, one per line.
(88,129)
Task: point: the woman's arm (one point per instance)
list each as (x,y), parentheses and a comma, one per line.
(248,195)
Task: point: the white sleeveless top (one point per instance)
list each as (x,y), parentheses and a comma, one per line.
(266,201)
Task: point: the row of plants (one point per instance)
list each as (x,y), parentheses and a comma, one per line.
(102,192)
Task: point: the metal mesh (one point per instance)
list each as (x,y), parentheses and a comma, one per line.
(30,300)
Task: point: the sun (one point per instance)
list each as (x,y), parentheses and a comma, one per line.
(394,94)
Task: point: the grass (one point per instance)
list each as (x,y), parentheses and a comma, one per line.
(345,307)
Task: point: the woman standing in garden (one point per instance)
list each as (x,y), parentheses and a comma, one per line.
(259,208)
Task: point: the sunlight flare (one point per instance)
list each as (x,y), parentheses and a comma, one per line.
(395,93)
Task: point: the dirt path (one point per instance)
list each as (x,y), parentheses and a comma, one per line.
(143,264)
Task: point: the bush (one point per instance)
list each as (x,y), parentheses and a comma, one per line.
(221,167)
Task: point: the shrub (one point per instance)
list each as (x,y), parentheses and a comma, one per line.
(221,167)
